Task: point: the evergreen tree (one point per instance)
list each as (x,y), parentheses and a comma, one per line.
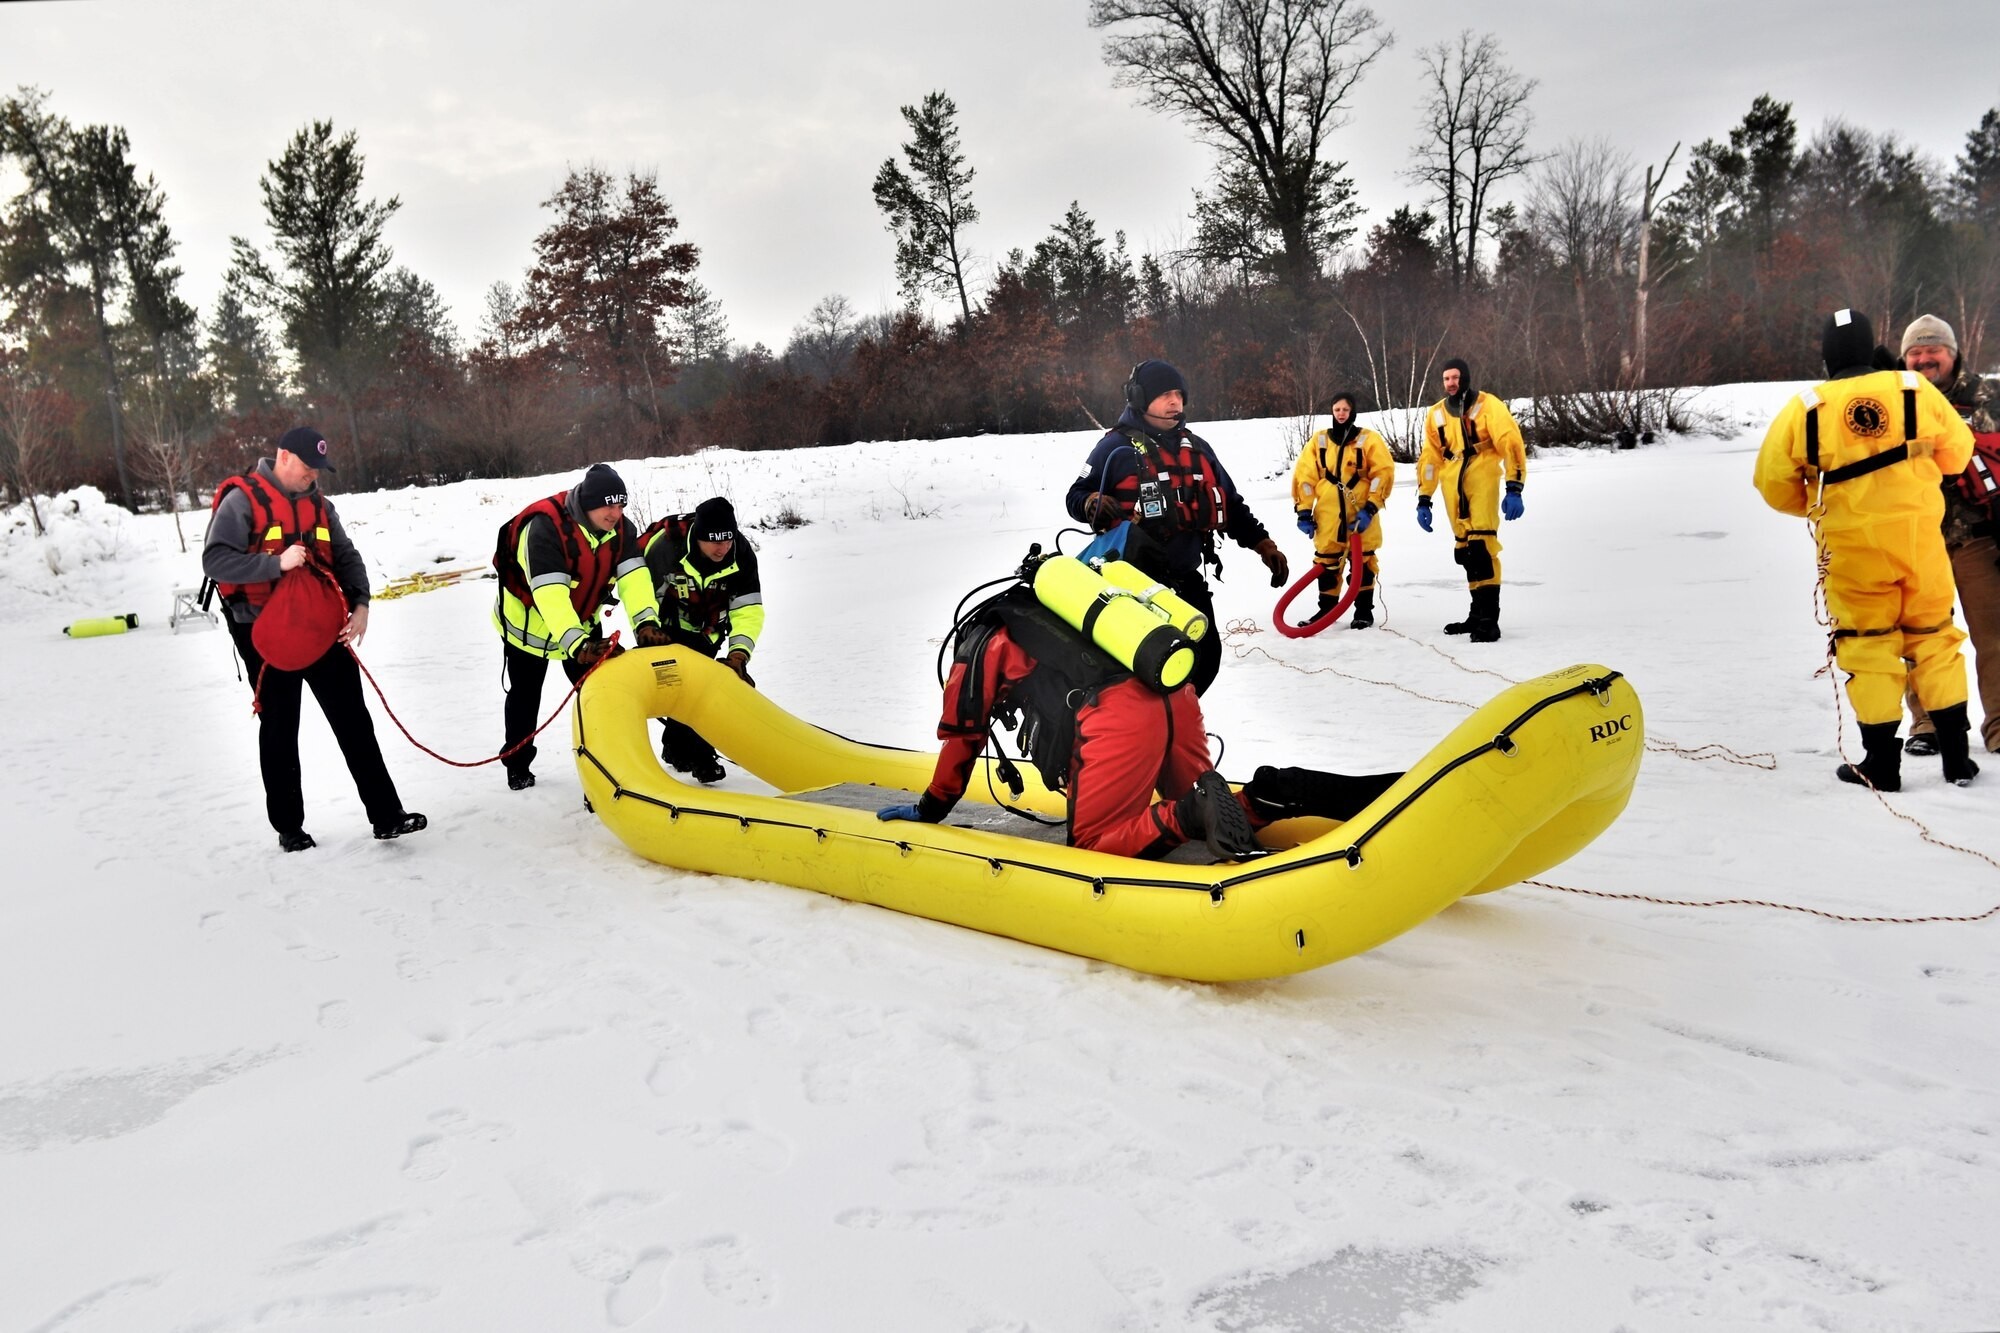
(930,205)
(329,285)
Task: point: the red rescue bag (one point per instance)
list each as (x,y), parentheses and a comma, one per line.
(301,620)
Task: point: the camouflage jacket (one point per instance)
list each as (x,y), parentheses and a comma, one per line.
(1978,401)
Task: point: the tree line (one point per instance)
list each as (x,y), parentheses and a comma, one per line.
(1567,273)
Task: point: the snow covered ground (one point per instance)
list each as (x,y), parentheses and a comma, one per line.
(502,1075)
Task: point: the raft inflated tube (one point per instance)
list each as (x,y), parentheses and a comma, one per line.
(1116,621)
(96,625)
(1164,600)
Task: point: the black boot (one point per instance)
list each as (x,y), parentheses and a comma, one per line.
(1286,793)
(1959,770)
(1485,614)
(1882,764)
(1364,609)
(1210,812)
(1465,626)
(1326,604)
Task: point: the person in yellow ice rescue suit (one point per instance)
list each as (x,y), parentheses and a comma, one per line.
(705,577)
(559,560)
(1861,457)
(1471,445)
(1342,480)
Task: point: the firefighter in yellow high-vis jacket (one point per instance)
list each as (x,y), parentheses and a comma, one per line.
(1471,448)
(1862,456)
(1342,480)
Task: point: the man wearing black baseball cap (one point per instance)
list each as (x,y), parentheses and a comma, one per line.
(265,524)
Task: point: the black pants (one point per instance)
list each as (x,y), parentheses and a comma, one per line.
(336,683)
(525,674)
(1194,590)
(681,746)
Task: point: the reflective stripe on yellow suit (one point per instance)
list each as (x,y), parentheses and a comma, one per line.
(1889,582)
(1468,488)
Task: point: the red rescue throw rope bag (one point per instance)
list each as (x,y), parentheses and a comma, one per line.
(1335,612)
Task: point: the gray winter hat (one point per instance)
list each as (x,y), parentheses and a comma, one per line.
(1929,331)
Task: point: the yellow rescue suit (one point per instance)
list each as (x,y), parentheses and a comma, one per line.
(1861,458)
(1468,455)
(1332,482)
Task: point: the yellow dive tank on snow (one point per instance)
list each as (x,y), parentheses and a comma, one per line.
(1163,600)
(1116,621)
(96,625)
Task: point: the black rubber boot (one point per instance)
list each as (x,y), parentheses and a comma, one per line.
(1959,770)
(1210,812)
(407,822)
(1485,614)
(1364,609)
(1923,744)
(519,779)
(1882,766)
(1465,626)
(297,841)
(1286,793)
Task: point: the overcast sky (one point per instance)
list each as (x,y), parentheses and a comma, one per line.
(767,121)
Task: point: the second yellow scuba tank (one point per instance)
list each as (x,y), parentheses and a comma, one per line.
(1117,620)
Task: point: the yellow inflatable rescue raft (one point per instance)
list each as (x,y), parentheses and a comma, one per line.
(1517,787)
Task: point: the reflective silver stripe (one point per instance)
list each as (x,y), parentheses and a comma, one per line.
(747,599)
(570,639)
(544,580)
(743,641)
(636,563)
(647,617)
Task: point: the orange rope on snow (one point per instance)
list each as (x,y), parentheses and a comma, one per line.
(490,759)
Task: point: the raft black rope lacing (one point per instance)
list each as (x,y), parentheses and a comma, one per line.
(1350,855)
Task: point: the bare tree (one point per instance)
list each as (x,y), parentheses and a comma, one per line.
(1476,123)
(823,342)
(160,454)
(1578,208)
(1265,83)
(1642,291)
(30,407)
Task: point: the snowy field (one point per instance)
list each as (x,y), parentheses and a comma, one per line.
(503,1075)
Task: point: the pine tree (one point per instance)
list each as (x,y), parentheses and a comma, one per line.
(930,205)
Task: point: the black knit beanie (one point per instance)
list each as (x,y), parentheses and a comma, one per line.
(600,486)
(1149,380)
(714,521)
(1847,342)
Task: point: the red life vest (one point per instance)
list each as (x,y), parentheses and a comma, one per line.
(1195,498)
(591,566)
(277,520)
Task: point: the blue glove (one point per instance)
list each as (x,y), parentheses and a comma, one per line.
(1510,503)
(1424,512)
(908,812)
(1362,520)
(1307,525)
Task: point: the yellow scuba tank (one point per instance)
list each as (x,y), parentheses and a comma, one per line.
(1116,621)
(1164,600)
(96,625)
